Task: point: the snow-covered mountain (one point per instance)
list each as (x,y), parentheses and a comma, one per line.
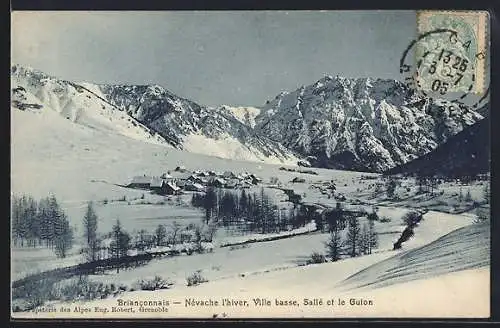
(35,91)
(245,115)
(466,153)
(147,112)
(356,124)
(362,124)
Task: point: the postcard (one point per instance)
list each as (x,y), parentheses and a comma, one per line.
(250,164)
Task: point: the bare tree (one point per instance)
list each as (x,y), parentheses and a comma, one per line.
(175,227)
(160,235)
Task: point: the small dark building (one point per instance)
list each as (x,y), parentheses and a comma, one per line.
(180,169)
(298,180)
(171,189)
(255,180)
(158,185)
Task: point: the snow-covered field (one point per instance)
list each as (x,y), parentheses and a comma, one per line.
(436,273)
(443,292)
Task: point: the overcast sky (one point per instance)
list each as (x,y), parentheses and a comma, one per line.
(236,58)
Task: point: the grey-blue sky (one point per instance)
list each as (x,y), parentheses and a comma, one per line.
(238,58)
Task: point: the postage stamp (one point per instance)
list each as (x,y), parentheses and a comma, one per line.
(249,164)
(452,56)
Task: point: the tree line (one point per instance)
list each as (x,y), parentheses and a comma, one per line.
(255,212)
(358,240)
(40,223)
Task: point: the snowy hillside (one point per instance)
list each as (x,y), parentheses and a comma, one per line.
(148,113)
(193,127)
(245,115)
(463,249)
(361,124)
(35,91)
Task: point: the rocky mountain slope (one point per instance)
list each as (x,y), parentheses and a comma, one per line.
(361,124)
(148,112)
(35,91)
(464,154)
(355,124)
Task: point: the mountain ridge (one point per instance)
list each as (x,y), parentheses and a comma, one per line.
(175,121)
(362,124)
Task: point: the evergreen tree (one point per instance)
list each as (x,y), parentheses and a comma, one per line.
(334,245)
(421,182)
(265,211)
(353,237)
(54,219)
(63,236)
(90,233)
(34,225)
(468,196)
(16,220)
(372,236)
(44,220)
(120,244)
(391,186)
(335,218)
(210,204)
(486,193)
(60,235)
(243,204)
(364,244)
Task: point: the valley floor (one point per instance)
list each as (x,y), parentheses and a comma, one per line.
(443,271)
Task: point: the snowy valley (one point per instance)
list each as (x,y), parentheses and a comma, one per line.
(327,232)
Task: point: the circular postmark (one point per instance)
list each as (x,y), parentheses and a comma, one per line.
(443,66)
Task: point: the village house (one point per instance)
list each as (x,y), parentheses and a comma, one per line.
(163,187)
(166,176)
(228,175)
(140,182)
(194,187)
(172,189)
(181,183)
(231,184)
(157,185)
(217,182)
(181,176)
(255,180)
(196,179)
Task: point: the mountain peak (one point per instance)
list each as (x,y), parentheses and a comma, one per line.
(363,124)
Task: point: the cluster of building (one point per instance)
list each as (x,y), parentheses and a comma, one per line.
(174,183)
